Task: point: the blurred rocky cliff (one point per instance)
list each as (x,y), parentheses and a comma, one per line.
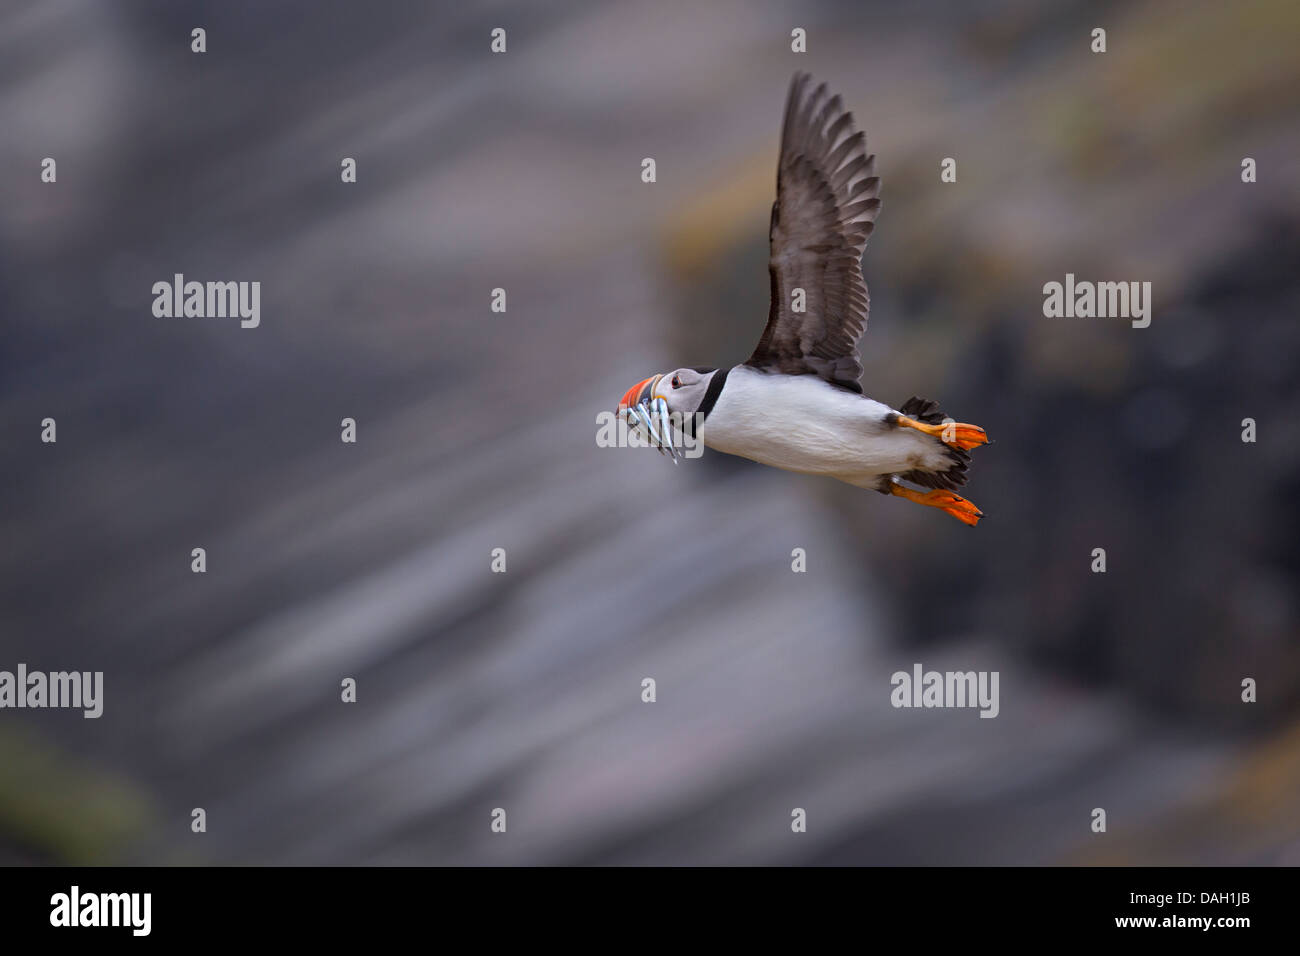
(476,431)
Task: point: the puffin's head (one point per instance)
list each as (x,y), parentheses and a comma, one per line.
(682,390)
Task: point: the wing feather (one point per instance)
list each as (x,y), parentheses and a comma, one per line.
(825,209)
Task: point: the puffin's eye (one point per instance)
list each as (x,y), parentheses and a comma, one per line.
(677,381)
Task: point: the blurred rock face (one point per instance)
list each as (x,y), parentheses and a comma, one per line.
(522,689)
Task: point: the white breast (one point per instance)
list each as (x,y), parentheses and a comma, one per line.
(801,423)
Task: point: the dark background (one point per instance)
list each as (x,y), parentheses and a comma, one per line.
(477,431)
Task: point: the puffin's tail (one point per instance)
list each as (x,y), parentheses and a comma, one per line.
(928,411)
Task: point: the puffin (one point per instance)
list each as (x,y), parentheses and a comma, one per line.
(797,403)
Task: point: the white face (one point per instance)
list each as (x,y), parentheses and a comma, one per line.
(684,390)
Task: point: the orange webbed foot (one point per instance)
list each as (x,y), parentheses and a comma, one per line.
(957,434)
(963,509)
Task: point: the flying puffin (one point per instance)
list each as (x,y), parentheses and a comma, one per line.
(796,403)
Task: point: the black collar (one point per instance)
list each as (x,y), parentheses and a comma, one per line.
(711,395)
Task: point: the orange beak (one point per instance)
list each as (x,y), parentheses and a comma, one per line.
(640,390)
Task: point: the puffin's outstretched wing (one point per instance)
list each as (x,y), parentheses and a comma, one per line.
(824,211)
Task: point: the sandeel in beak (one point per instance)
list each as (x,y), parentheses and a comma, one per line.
(649,415)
